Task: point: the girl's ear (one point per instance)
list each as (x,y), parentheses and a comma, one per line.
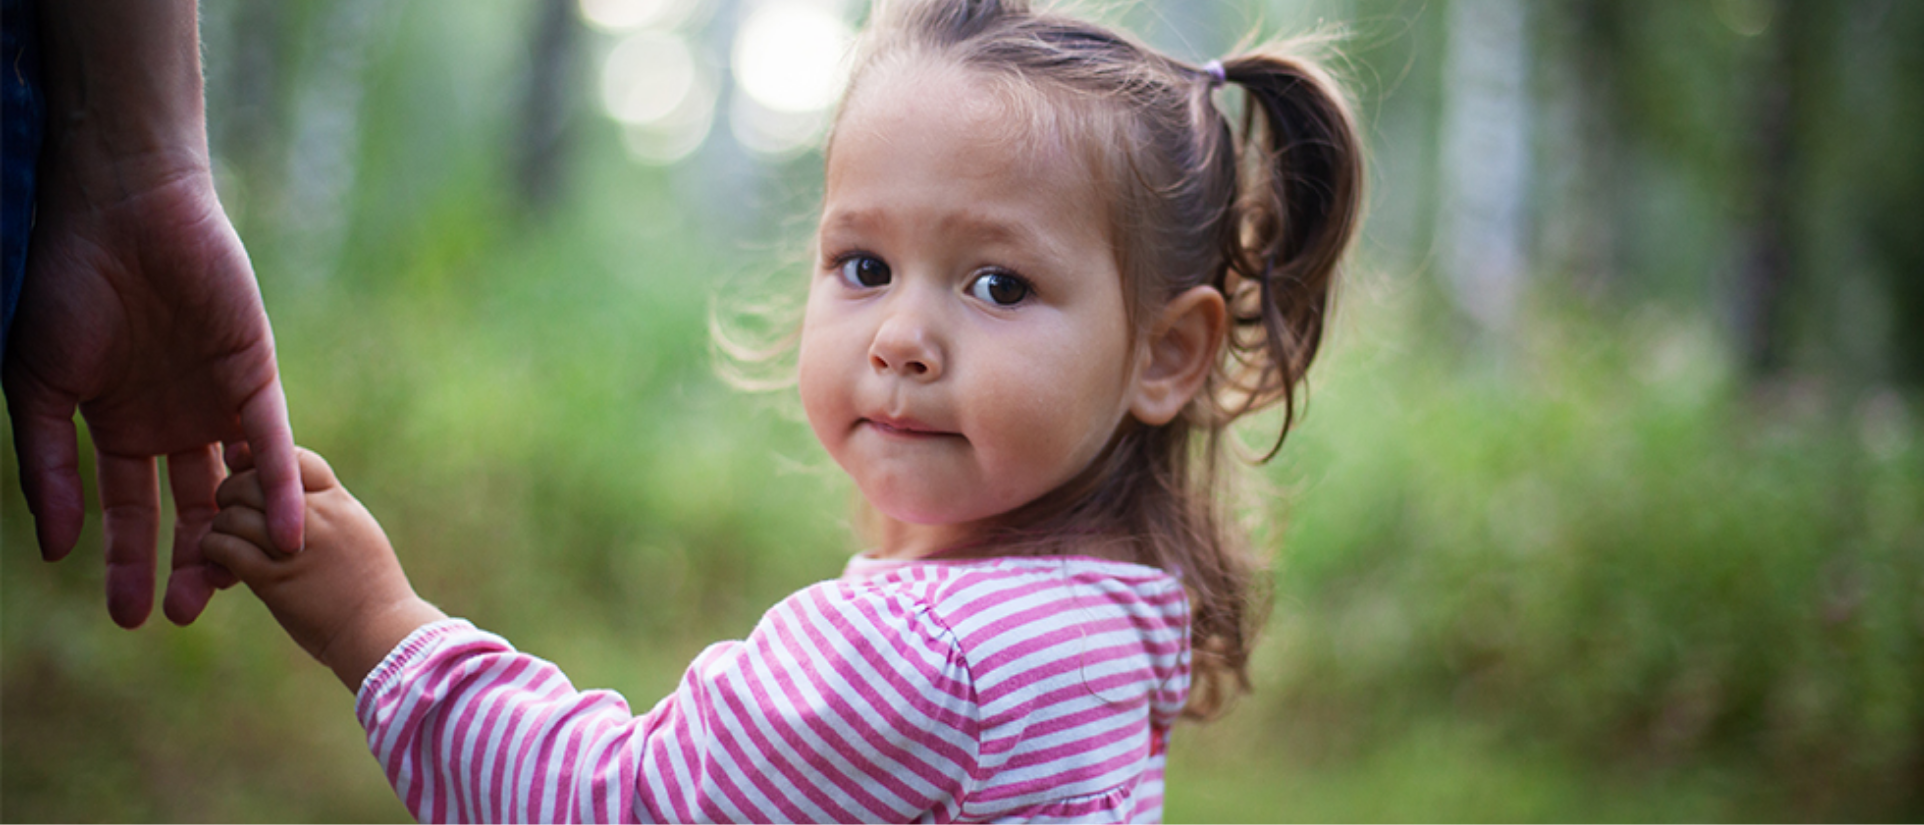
(1178,355)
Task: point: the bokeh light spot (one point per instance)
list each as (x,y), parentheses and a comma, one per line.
(648,76)
(790,55)
(663,97)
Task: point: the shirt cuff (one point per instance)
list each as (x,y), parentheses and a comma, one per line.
(416,644)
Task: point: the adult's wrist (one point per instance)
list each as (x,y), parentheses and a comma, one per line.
(123,80)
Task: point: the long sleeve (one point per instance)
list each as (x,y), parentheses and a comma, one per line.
(845,704)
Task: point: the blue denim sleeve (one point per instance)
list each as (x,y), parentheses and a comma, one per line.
(25,124)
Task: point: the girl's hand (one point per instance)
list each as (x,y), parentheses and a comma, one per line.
(344,598)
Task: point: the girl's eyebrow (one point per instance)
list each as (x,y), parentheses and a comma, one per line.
(989,228)
(973,223)
(853,220)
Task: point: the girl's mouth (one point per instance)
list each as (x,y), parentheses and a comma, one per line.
(902,427)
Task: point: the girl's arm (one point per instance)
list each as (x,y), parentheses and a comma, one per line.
(845,704)
(344,598)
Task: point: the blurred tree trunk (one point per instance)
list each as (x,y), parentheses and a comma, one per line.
(1485,162)
(1891,174)
(1583,167)
(1770,240)
(323,155)
(542,144)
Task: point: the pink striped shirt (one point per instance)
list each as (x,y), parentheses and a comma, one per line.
(929,691)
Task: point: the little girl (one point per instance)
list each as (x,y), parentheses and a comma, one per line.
(1052,272)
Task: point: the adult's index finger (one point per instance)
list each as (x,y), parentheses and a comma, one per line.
(264,419)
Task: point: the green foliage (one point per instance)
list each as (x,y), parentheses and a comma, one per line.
(1605,564)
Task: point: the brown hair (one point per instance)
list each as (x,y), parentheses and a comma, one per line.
(1261,210)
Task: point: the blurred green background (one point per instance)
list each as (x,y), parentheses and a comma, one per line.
(1609,503)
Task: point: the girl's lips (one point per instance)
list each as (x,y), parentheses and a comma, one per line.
(903,427)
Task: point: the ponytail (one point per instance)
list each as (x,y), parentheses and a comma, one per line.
(1298,203)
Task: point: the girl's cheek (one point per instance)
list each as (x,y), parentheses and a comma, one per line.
(821,394)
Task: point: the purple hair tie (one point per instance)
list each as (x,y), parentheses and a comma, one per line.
(1217,76)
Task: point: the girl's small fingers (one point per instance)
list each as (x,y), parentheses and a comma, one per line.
(244,558)
(239,457)
(242,489)
(220,577)
(246,524)
(316,475)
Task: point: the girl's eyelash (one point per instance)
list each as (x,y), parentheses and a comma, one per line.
(1027,285)
(830,263)
(997,269)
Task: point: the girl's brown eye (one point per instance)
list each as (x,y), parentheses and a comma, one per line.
(999,288)
(865,272)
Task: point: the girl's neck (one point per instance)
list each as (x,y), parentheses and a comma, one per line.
(903,540)
(898,540)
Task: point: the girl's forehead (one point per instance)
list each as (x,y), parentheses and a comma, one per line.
(991,107)
(937,129)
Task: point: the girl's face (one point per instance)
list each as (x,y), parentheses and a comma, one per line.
(966,347)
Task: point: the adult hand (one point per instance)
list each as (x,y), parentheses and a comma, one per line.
(140,309)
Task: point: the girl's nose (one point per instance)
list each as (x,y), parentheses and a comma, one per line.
(904,347)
